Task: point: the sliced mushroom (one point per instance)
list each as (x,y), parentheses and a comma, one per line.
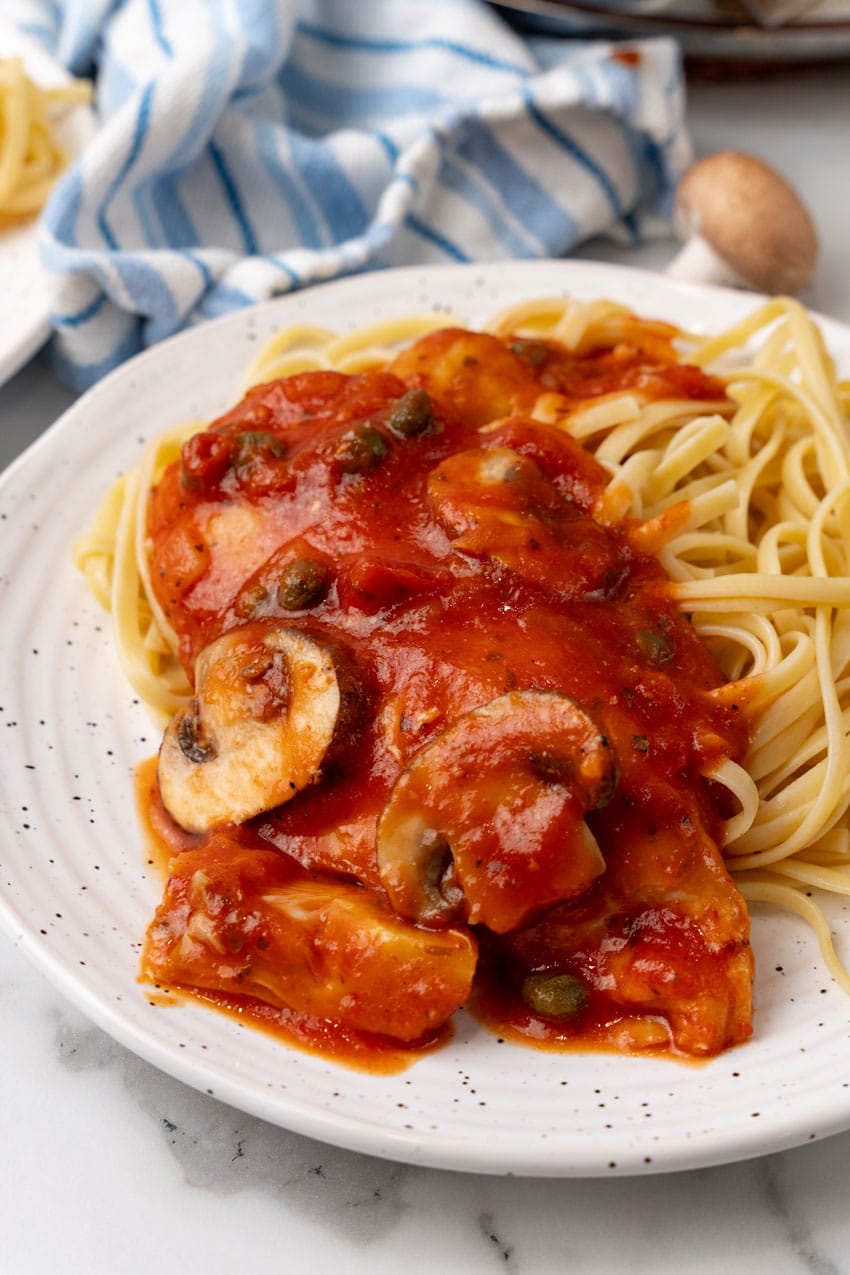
(266,706)
(487,823)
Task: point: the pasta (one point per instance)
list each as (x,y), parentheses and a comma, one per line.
(31,158)
(743,499)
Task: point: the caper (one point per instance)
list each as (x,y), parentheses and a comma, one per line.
(251,600)
(303,584)
(252,443)
(412,414)
(554,995)
(655,646)
(360,449)
(190,736)
(534,351)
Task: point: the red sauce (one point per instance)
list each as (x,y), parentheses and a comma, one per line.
(358,1050)
(447,568)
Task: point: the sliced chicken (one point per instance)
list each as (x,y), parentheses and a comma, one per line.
(498,504)
(235,919)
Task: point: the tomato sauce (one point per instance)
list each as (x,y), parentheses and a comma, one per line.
(420,526)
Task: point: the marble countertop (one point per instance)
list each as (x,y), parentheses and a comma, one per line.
(109,1165)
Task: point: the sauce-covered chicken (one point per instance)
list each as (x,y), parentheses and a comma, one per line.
(449,736)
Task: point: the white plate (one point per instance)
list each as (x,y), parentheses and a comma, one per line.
(25,287)
(76,897)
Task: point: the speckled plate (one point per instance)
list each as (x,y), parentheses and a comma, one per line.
(25,288)
(75,895)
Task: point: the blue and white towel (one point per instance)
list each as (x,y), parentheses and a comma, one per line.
(251,147)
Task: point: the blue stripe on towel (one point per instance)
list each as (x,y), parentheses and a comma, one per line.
(82,373)
(544,216)
(433,236)
(138,141)
(158,27)
(578,153)
(297,204)
(234,198)
(331,189)
(81,316)
(473,192)
(359,103)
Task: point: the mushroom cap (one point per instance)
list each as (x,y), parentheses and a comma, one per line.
(487,822)
(752,219)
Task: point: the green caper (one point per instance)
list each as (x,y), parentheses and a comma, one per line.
(655,646)
(303,584)
(412,414)
(534,351)
(554,995)
(360,449)
(253,443)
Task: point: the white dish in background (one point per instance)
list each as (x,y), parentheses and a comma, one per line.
(737,32)
(25,287)
(76,897)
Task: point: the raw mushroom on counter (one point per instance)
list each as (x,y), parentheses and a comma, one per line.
(743,226)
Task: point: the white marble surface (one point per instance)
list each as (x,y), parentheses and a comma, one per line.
(110,1166)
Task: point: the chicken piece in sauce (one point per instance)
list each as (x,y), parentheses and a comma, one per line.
(513,754)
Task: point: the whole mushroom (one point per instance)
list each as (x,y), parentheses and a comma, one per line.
(743,226)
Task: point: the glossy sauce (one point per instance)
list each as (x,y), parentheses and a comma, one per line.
(447,567)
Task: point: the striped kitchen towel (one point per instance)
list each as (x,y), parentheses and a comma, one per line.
(250,147)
